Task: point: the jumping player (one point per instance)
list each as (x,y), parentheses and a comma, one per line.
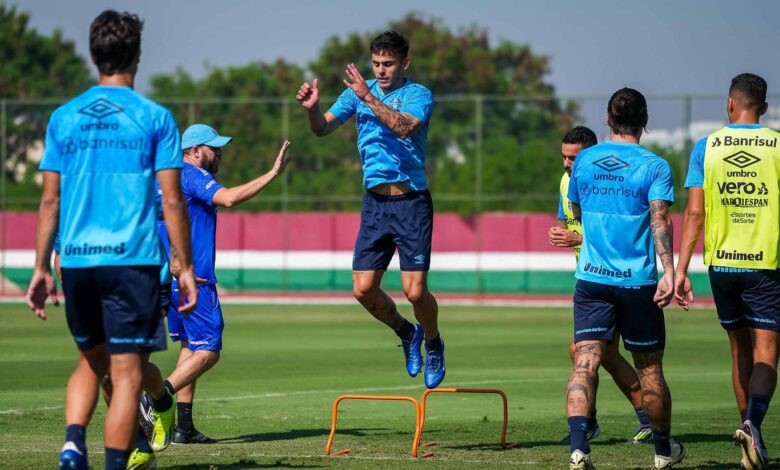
(392,123)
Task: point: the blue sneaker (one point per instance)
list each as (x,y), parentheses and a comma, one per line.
(434,366)
(412,353)
(71,458)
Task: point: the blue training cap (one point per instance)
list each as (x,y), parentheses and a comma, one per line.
(201,134)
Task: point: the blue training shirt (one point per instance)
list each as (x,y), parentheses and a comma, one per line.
(199,187)
(385,157)
(107,143)
(613,183)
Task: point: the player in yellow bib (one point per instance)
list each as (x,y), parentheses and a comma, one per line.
(567,232)
(733,186)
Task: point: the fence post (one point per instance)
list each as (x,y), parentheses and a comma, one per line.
(478,101)
(285,199)
(686,147)
(3,195)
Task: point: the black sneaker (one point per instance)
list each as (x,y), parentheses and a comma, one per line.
(192,437)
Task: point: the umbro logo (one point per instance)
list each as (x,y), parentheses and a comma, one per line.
(742,159)
(611,163)
(419,259)
(101,108)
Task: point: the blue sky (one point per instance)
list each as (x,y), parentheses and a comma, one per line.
(597,46)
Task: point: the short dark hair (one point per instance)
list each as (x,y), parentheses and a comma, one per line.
(627,111)
(114,40)
(392,42)
(581,135)
(751,87)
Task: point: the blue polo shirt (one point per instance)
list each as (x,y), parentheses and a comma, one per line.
(385,157)
(613,183)
(106,144)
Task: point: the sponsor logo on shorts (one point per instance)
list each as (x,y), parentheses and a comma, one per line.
(767,321)
(640,343)
(736,255)
(419,259)
(741,159)
(199,343)
(746,141)
(114,340)
(86,249)
(101,108)
(602,271)
(591,330)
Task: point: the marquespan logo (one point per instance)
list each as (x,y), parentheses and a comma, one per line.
(101,108)
(742,159)
(611,163)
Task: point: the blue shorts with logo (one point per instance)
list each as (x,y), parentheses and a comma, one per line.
(202,328)
(115,305)
(746,297)
(389,222)
(601,310)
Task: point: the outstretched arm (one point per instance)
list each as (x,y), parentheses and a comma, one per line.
(320,123)
(229,197)
(663,233)
(403,124)
(693,222)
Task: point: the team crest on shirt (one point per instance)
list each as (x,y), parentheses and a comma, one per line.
(395,103)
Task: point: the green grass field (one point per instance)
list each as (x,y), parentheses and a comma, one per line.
(270,397)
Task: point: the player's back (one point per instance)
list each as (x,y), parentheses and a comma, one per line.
(613,183)
(107,144)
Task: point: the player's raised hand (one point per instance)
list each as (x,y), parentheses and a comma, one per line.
(665,291)
(42,287)
(282,159)
(356,82)
(683,291)
(308,95)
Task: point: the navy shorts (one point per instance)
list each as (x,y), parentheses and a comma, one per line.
(746,297)
(202,328)
(116,305)
(389,222)
(601,310)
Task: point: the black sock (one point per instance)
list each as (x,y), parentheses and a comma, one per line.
(406,331)
(167,385)
(77,434)
(662,444)
(758,405)
(116,459)
(164,402)
(434,344)
(184,418)
(140,441)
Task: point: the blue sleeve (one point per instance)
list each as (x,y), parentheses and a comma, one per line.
(201,187)
(168,145)
(561,214)
(574,194)
(345,106)
(662,185)
(695,177)
(52,155)
(56,245)
(419,104)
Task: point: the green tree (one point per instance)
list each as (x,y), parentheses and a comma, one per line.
(34,67)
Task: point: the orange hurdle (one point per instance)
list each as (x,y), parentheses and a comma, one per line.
(418,425)
(462,390)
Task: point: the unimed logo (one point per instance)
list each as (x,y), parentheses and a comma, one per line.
(86,249)
(101,108)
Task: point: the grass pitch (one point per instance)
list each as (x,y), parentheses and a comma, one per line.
(270,397)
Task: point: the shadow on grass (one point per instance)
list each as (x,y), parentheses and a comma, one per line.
(243,464)
(698,437)
(295,434)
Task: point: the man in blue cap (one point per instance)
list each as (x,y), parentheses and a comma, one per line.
(200,332)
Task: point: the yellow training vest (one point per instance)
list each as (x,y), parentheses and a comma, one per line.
(742,198)
(571,224)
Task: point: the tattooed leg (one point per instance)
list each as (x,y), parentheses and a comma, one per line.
(656,399)
(581,390)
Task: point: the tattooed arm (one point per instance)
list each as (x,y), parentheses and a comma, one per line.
(403,124)
(661,225)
